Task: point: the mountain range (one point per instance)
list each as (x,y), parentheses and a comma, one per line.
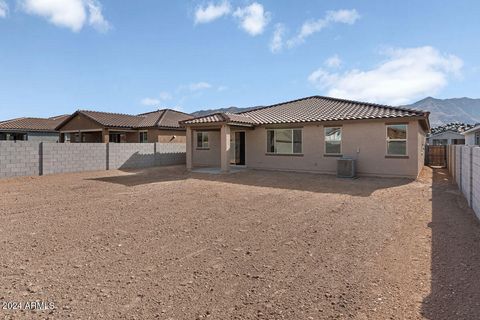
(442,111)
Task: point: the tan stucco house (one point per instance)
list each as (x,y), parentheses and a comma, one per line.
(446,138)
(472,136)
(94,126)
(31,129)
(309,135)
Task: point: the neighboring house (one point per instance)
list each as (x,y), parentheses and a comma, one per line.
(472,136)
(451,133)
(446,138)
(31,129)
(309,135)
(94,126)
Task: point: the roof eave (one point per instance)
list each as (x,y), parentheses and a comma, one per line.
(202,124)
(240,124)
(474,129)
(26,130)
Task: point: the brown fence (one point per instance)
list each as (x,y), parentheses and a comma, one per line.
(436,156)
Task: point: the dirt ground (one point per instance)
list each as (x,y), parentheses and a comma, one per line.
(162,243)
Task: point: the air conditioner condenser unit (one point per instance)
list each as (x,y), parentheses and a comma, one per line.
(346,168)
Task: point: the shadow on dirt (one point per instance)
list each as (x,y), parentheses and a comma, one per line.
(309,182)
(455,269)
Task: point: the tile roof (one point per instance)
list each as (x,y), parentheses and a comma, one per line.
(32,124)
(455,127)
(171,118)
(108,119)
(221,117)
(165,118)
(474,129)
(312,109)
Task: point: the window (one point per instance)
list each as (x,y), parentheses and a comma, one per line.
(477,138)
(458,141)
(333,140)
(202,140)
(143,137)
(114,137)
(440,142)
(14,136)
(284,141)
(397,140)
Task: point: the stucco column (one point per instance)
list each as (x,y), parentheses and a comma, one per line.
(225,148)
(189,149)
(105,136)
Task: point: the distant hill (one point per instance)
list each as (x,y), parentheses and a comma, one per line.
(442,111)
(445,111)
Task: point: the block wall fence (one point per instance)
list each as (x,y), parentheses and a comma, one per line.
(464,166)
(28,158)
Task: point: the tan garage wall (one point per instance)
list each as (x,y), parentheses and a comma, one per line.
(364,141)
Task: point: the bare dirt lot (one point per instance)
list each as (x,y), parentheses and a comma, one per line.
(162,243)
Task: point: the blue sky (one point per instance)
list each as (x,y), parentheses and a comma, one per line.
(57,56)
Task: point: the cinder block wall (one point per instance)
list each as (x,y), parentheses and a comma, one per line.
(466,172)
(458,167)
(141,155)
(131,155)
(74,157)
(21,158)
(170,154)
(476,181)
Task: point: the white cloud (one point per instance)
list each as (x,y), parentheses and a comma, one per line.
(212,12)
(199,86)
(163,96)
(96,18)
(177,107)
(72,14)
(343,16)
(222,88)
(333,62)
(3,9)
(310,27)
(150,102)
(276,44)
(405,75)
(253,18)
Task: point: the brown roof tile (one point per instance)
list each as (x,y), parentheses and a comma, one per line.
(312,109)
(165,118)
(171,118)
(108,119)
(32,124)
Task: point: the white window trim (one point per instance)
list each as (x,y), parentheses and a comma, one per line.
(274,138)
(208,140)
(325,141)
(387,140)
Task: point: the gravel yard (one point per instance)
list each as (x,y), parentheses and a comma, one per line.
(162,243)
